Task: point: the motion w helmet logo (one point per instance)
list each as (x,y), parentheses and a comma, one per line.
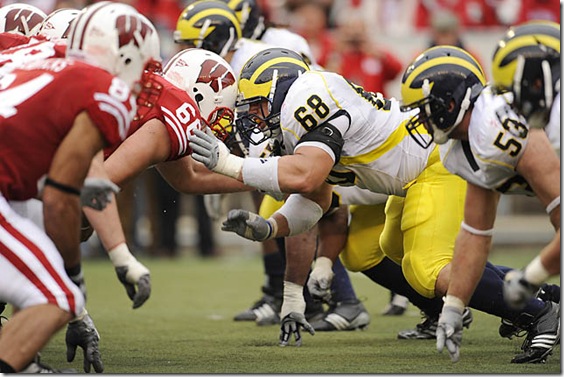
(128,26)
(215,75)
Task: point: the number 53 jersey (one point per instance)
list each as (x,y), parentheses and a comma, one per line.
(377,152)
(497,137)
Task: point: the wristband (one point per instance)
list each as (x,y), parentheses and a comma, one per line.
(273,225)
(120,255)
(293,299)
(552,205)
(476,232)
(231,166)
(61,187)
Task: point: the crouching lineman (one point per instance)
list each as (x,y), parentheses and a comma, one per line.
(484,141)
(47,154)
(307,111)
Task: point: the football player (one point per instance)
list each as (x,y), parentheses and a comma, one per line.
(526,62)
(226,39)
(18,23)
(483,140)
(308,113)
(47,154)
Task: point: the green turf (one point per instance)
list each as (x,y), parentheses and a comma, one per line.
(187,327)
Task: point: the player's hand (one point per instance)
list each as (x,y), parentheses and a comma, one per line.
(249,225)
(97,193)
(291,324)
(82,333)
(319,282)
(449,332)
(517,291)
(134,276)
(213,204)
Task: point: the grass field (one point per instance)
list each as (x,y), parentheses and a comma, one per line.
(187,327)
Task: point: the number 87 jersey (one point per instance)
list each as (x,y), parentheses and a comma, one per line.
(497,137)
(39,102)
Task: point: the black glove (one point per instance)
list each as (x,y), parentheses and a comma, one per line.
(291,325)
(83,333)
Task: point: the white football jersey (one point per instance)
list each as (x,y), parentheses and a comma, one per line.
(244,50)
(281,37)
(552,129)
(378,154)
(497,137)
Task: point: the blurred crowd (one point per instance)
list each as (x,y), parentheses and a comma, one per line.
(347,37)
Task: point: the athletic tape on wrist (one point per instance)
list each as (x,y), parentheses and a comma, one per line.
(476,232)
(454,302)
(301,213)
(120,255)
(262,173)
(535,272)
(552,205)
(293,299)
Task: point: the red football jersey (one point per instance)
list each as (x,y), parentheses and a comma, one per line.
(36,50)
(8,40)
(176,110)
(38,105)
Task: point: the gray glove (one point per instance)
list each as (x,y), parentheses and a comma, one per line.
(214,205)
(82,333)
(291,324)
(143,291)
(97,193)
(248,225)
(517,291)
(449,332)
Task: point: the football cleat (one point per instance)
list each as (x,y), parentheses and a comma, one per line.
(397,306)
(264,312)
(343,317)
(36,366)
(543,336)
(428,327)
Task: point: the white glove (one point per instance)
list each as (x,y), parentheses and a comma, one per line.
(211,152)
(292,314)
(214,204)
(319,282)
(97,193)
(131,273)
(449,331)
(517,291)
(249,225)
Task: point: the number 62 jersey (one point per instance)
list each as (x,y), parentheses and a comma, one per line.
(497,137)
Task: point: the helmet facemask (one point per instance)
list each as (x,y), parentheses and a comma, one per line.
(147,90)
(255,120)
(536,82)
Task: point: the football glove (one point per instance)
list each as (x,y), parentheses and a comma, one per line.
(82,333)
(249,225)
(517,291)
(449,332)
(319,281)
(97,193)
(213,204)
(291,324)
(211,152)
(131,273)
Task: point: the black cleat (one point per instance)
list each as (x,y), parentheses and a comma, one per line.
(428,328)
(543,336)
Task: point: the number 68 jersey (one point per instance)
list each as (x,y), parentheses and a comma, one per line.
(497,137)
(377,152)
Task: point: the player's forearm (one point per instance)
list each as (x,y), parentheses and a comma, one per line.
(333,230)
(468,263)
(61,214)
(550,255)
(300,251)
(107,225)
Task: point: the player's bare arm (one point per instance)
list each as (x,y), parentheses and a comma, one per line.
(473,242)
